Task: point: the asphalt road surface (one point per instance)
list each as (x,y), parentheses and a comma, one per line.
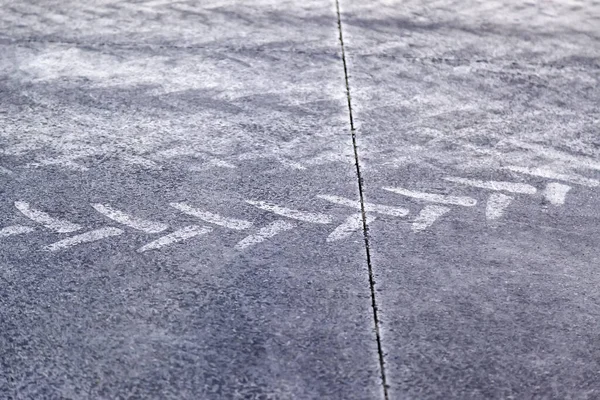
(312,199)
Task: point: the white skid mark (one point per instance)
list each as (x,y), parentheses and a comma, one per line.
(265,233)
(139,160)
(133,222)
(65,162)
(315,218)
(556,193)
(549,152)
(369,207)
(353,223)
(5,171)
(49,222)
(547,173)
(513,187)
(427,217)
(86,237)
(15,230)
(496,204)
(175,237)
(216,219)
(435,198)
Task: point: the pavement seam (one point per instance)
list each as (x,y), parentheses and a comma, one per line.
(363,210)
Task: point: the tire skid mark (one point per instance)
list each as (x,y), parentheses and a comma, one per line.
(496,204)
(128,220)
(15,230)
(86,237)
(512,187)
(175,237)
(351,225)
(556,193)
(55,224)
(550,174)
(370,207)
(216,219)
(265,233)
(434,198)
(427,216)
(315,218)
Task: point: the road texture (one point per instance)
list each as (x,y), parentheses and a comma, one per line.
(299,200)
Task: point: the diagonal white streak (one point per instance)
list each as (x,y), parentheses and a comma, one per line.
(548,173)
(433,197)
(265,233)
(216,219)
(86,237)
(513,187)
(496,204)
(55,224)
(351,225)
(315,218)
(175,237)
(556,193)
(369,207)
(128,220)
(15,230)
(428,216)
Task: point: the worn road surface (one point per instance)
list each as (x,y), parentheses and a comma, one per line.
(282,199)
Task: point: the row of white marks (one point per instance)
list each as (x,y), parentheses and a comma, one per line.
(554,192)
(291,219)
(500,198)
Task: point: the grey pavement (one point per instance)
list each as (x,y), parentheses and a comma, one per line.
(223,200)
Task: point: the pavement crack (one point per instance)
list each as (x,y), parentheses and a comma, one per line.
(365,226)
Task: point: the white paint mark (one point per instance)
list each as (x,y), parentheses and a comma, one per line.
(175,237)
(86,237)
(133,222)
(139,160)
(58,225)
(436,198)
(65,162)
(369,207)
(556,193)
(15,230)
(427,217)
(558,155)
(216,219)
(496,204)
(351,225)
(265,233)
(548,173)
(315,218)
(513,187)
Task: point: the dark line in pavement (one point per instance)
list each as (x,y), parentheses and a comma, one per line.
(363,210)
